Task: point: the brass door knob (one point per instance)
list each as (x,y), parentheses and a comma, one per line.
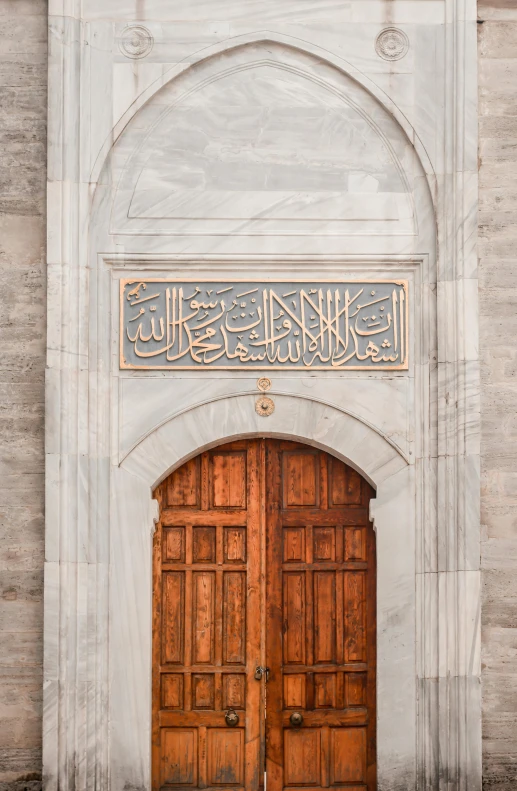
(232,718)
(296,719)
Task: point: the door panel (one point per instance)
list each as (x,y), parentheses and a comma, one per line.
(264,555)
(206,623)
(225,757)
(179,757)
(302,750)
(320,635)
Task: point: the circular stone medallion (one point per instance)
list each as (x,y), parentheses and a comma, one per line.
(264,406)
(136,41)
(264,383)
(391,44)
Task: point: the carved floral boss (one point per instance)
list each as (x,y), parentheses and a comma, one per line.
(183,324)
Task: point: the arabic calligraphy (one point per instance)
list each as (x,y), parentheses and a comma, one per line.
(168,324)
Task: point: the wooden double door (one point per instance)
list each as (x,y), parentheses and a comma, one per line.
(264,623)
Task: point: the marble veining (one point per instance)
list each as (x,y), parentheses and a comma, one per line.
(266,140)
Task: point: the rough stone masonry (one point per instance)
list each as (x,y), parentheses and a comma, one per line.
(23,102)
(23,80)
(497,50)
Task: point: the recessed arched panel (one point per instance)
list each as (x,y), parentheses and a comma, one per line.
(265,139)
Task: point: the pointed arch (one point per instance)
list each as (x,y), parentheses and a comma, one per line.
(265,37)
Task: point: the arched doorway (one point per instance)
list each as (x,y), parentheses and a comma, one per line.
(264,622)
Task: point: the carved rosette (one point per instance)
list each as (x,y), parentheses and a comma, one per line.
(391,44)
(264,406)
(136,41)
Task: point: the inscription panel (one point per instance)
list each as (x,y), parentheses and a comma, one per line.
(173,324)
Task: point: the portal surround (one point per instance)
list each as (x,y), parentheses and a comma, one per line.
(111,438)
(314,423)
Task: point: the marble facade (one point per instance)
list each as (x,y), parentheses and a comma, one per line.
(286,141)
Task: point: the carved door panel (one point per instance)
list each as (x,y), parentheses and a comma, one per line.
(206,623)
(320,593)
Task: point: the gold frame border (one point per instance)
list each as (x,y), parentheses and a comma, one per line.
(124,366)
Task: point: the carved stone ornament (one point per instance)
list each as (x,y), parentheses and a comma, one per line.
(264,384)
(392,44)
(136,41)
(264,406)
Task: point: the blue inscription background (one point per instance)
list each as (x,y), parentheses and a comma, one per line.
(229,324)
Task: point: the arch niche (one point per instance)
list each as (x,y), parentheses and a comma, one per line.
(266,156)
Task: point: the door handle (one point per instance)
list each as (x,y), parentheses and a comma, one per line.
(296,719)
(232,718)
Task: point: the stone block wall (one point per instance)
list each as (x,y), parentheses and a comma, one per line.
(497,30)
(23,80)
(23,101)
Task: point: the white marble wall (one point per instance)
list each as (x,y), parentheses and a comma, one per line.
(277,139)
